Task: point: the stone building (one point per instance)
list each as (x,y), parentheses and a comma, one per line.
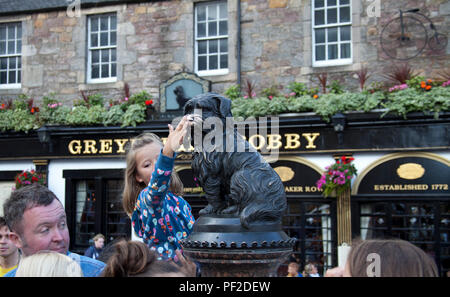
(98,46)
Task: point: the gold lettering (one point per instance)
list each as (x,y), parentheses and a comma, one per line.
(310,137)
(262,141)
(89,147)
(274,141)
(105,146)
(75,150)
(121,144)
(292,141)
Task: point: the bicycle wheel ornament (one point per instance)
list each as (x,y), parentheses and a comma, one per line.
(438,42)
(403,38)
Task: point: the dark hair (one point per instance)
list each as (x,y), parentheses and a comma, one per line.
(25,198)
(134,259)
(398,258)
(3,222)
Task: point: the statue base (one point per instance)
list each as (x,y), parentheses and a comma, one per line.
(223,248)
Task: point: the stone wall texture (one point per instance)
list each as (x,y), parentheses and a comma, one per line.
(156,40)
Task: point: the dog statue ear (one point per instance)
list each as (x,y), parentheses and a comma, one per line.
(223,105)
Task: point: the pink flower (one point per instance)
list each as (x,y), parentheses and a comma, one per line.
(245,97)
(253,94)
(292,94)
(270,97)
(126,98)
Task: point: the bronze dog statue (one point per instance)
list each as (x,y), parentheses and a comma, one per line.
(238,183)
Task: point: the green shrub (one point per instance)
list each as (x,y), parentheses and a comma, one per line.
(233,92)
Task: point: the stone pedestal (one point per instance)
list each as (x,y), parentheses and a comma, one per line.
(223,248)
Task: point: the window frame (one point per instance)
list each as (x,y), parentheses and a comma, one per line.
(334,62)
(17,54)
(218,71)
(109,47)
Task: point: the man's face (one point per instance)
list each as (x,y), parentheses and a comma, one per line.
(7,247)
(44,228)
(99,243)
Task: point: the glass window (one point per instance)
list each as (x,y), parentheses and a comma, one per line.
(102,42)
(10,55)
(331,27)
(211,37)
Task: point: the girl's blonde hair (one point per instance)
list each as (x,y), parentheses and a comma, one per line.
(48,264)
(132,187)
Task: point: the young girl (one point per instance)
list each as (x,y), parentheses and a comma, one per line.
(152,192)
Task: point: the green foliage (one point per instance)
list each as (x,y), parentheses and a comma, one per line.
(336,87)
(135,114)
(233,92)
(18,120)
(298,88)
(114,116)
(271,92)
(83,116)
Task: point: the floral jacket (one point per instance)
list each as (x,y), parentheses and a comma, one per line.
(161,218)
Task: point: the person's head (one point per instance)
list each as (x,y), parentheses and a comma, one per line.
(293,268)
(142,154)
(48,264)
(37,220)
(310,268)
(7,247)
(99,241)
(135,259)
(396,258)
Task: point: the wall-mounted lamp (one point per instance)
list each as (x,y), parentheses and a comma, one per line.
(339,120)
(45,137)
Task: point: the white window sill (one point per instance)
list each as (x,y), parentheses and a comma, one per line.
(102,80)
(10,86)
(333,63)
(213,72)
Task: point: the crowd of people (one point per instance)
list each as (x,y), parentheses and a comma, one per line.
(34,237)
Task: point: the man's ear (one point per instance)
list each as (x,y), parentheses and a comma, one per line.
(15,238)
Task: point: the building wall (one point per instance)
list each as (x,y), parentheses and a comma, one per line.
(156,40)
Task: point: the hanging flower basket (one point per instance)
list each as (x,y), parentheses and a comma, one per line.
(337,177)
(27,178)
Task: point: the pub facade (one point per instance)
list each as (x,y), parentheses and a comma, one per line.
(93,46)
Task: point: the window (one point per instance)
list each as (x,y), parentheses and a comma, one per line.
(211,38)
(102,48)
(10,55)
(332,28)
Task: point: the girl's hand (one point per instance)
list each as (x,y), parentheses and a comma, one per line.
(176,136)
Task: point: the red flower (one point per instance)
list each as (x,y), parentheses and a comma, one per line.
(148,102)
(34,178)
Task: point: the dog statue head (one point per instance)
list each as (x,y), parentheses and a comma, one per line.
(210,105)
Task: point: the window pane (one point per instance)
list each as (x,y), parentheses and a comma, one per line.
(332,34)
(344,14)
(94,40)
(113,55)
(202,47)
(104,23)
(95,71)
(320,35)
(344,2)
(11,32)
(95,56)
(331,3)
(19,31)
(19,46)
(332,52)
(212,29)
(113,70)
(318,3)
(212,46)
(104,39)
(320,53)
(3,77)
(223,11)
(201,13)
(202,63)
(19,62)
(105,56)
(11,47)
(201,30)
(345,50)
(345,33)
(113,20)
(19,79)
(3,33)
(223,45)
(105,70)
(319,17)
(3,63)
(223,28)
(2,47)
(12,77)
(12,63)
(212,12)
(112,38)
(331,16)
(223,61)
(94,24)
(213,62)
